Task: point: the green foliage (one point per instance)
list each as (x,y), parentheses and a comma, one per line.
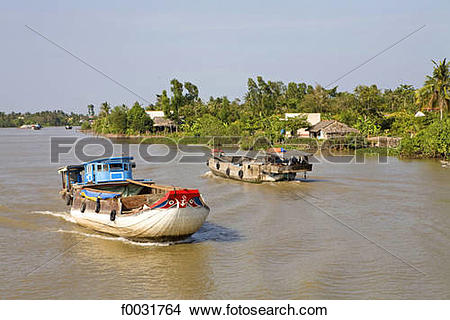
(262,97)
(118,119)
(436,91)
(121,120)
(105,109)
(138,121)
(433,141)
(368,108)
(207,125)
(86,125)
(404,124)
(401,98)
(367,126)
(317,99)
(44,118)
(294,124)
(370,99)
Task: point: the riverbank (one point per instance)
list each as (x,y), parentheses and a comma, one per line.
(405,148)
(258,143)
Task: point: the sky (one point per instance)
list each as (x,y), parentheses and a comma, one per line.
(216,45)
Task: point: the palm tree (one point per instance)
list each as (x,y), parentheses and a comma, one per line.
(91,111)
(105,109)
(436,90)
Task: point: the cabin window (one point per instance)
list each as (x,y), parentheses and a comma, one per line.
(99,168)
(125,167)
(115,166)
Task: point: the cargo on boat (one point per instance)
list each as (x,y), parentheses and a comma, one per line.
(273,165)
(103,196)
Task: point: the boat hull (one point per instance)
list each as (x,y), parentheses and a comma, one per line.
(258,179)
(158,224)
(247,172)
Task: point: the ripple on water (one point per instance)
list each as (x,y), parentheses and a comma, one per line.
(62,215)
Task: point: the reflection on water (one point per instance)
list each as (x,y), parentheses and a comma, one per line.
(213,232)
(260,241)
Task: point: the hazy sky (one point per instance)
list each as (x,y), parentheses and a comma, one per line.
(217,45)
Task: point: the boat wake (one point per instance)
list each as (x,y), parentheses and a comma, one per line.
(208,174)
(125,240)
(62,215)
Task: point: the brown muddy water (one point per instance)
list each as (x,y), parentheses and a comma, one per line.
(355,231)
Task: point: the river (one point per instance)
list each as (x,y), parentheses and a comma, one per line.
(349,231)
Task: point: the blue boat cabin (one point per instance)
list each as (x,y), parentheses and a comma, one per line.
(107,170)
(98,171)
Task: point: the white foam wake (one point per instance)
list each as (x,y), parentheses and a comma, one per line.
(124,240)
(61,215)
(208,174)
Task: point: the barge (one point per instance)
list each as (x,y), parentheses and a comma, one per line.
(273,165)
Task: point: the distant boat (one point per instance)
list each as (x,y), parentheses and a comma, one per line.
(107,199)
(445,164)
(68,127)
(36,126)
(273,165)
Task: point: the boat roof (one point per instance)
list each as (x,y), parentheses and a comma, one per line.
(110,160)
(289,153)
(77,167)
(80,167)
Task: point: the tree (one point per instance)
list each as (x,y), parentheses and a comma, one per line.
(294,95)
(318,99)
(177,100)
(437,87)
(192,92)
(118,119)
(163,103)
(296,123)
(137,120)
(91,111)
(404,95)
(367,126)
(432,141)
(85,125)
(262,97)
(208,125)
(105,109)
(404,124)
(369,99)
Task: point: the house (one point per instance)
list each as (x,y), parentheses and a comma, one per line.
(327,129)
(160,122)
(155,113)
(163,124)
(312,118)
